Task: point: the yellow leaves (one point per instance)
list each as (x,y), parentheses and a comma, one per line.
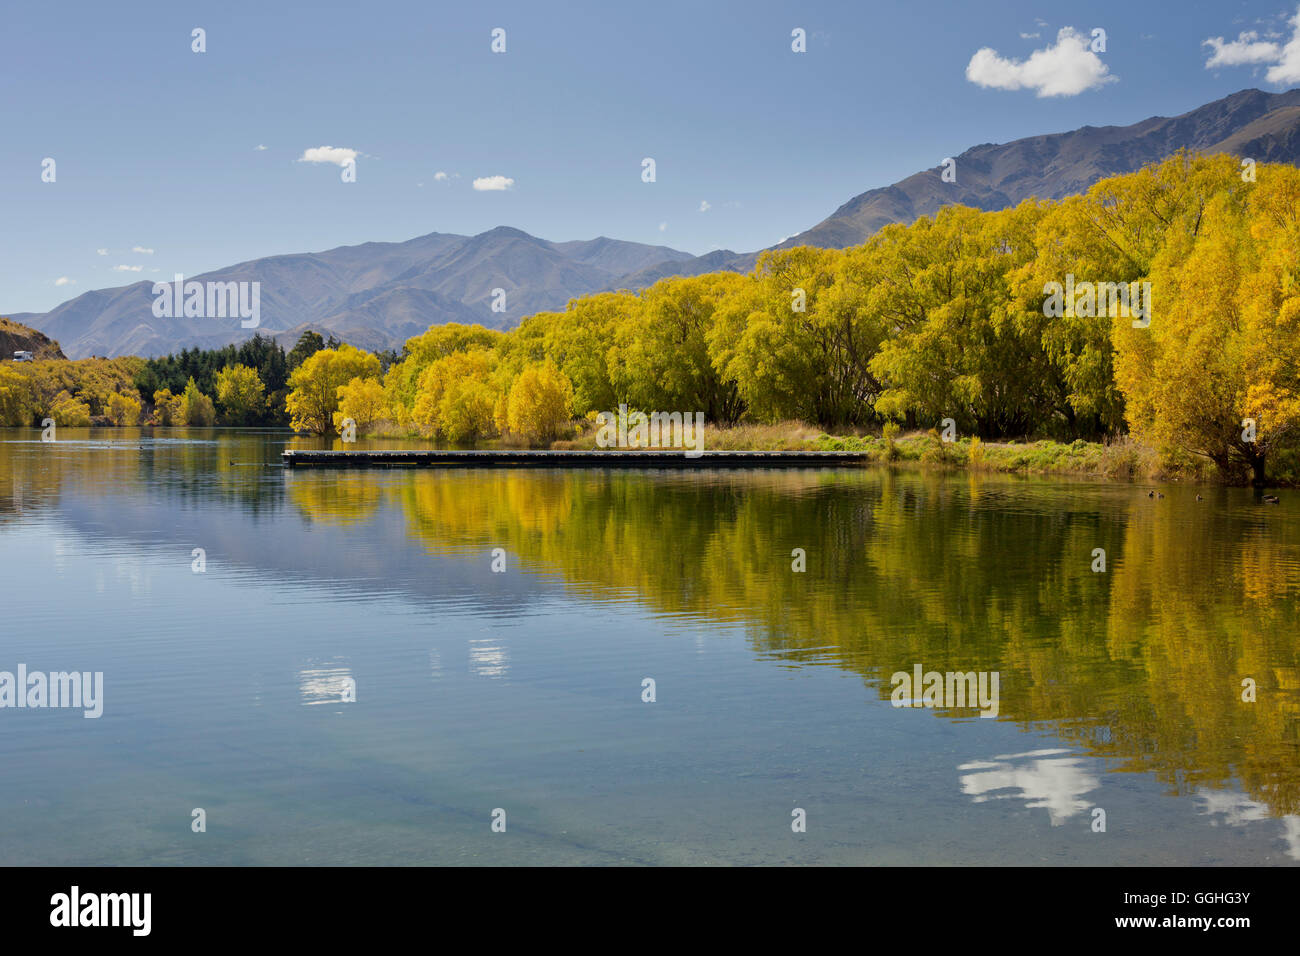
(361,400)
(241,393)
(540,403)
(196,409)
(455,399)
(68,412)
(315,384)
(123,409)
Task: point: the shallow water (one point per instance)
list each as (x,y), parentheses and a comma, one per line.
(1119,691)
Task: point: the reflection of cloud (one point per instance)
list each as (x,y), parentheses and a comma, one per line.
(1042,778)
(488,659)
(324,683)
(1237,810)
(1291,833)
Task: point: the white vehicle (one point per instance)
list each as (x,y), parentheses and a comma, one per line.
(23,357)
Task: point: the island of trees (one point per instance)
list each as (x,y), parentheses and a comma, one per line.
(943,319)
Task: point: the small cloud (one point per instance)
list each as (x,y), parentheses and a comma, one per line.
(440,177)
(101,252)
(127,268)
(1040,22)
(663,226)
(1030,36)
(142,250)
(704,206)
(258,148)
(1249,50)
(1246,50)
(493,183)
(64,280)
(338,155)
(1067,68)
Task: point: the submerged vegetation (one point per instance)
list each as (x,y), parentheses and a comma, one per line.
(952,322)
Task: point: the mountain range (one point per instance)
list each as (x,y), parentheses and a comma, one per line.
(378,294)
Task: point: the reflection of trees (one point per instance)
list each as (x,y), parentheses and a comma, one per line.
(177,465)
(1142,664)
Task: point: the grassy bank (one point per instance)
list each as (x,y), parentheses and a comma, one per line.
(1117,459)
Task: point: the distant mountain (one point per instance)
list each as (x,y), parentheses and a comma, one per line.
(1263,126)
(16,337)
(375,295)
(378,294)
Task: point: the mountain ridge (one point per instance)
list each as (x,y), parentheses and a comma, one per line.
(378,294)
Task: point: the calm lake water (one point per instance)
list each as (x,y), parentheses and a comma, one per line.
(522,690)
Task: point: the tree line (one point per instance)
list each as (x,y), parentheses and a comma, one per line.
(951,317)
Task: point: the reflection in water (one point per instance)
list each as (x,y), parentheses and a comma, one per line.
(1041,778)
(1236,809)
(489,659)
(1139,670)
(326,682)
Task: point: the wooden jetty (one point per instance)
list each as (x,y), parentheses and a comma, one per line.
(301,458)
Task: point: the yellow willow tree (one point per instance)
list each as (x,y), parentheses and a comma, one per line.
(241,394)
(361,400)
(660,357)
(316,382)
(1112,234)
(540,403)
(797,335)
(1217,372)
(403,378)
(455,398)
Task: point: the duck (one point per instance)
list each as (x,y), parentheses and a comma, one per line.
(1151,494)
(1271,499)
(1199,498)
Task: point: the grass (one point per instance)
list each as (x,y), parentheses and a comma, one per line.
(1117,459)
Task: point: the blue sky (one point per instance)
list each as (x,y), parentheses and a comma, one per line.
(156,146)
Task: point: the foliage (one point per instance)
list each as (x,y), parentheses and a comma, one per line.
(315,384)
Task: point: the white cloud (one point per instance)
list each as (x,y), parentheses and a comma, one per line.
(1030,36)
(258,149)
(101,252)
(440,177)
(1249,50)
(142,250)
(704,206)
(1287,69)
(1067,68)
(493,183)
(64,280)
(127,268)
(1245,50)
(338,155)
(663,226)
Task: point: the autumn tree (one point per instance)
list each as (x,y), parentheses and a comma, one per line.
(196,409)
(1217,371)
(362,401)
(540,405)
(315,383)
(241,394)
(123,409)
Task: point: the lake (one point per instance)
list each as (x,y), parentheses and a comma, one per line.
(341,677)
